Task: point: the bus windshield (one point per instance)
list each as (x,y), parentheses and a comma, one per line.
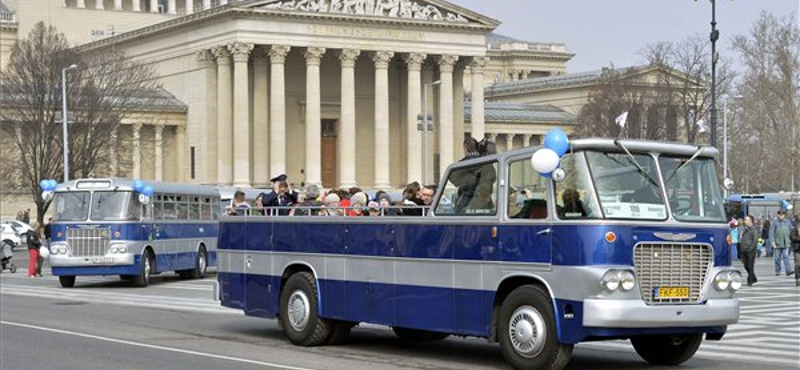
(628,186)
(115,206)
(71,206)
(692,189)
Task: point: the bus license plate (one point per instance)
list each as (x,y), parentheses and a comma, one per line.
(99,260)
(667,292)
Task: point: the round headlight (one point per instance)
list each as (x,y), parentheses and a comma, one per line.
(114,249)
(123,248)
(610,280)
(722,281)
(735,278)
(627,281)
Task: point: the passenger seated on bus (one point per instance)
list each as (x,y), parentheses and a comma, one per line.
(310,206)
(332,205)
(412,203)
(240,206)
(525,206)
(573,206)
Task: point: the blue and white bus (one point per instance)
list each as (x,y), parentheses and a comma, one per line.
(628,242)
(106,227)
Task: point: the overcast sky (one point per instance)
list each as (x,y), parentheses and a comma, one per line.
(600,32)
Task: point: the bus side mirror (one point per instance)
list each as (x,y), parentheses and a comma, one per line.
(144,199)
(727,183)
(559,175)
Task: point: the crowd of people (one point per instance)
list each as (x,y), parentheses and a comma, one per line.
(778,238)
(316,201)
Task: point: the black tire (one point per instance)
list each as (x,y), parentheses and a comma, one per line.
(12,268)
(667,349)
(200,264)
(414,335)
(530,308)
(67,281)
(145,269)
(302,324)
(126,277)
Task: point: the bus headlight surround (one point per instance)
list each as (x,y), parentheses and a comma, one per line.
(118,248)
(723,281)
(627,280)
(610,280)
(58,249)
(735,278)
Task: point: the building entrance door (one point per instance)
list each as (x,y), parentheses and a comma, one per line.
(328,149)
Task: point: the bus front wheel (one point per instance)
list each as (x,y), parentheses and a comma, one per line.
(200,265)
(145,269)
(298,312)
(527,331)
(667,349)
(67,281)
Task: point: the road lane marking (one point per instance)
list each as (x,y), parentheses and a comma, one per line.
(152,346)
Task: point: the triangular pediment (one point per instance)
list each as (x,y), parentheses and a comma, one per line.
(419,10)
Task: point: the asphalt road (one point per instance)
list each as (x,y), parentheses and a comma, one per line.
(175,324)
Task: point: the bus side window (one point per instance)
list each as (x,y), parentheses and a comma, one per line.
(194,208)
(158,207)
(527,197)
(205,209)
(169,207)
(470,191)
(574,196)
(182,207)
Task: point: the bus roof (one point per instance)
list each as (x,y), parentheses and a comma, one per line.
(640,146)
(127,185)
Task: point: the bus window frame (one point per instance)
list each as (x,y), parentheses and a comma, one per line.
(504,194)
(500,198)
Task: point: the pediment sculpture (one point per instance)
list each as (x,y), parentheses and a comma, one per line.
(404,9)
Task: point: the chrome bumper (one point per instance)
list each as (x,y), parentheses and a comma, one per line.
(609,313)
(107,260)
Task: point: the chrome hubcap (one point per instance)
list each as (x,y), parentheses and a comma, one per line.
(527,331)
(202,263)
(147,268)
(299,310)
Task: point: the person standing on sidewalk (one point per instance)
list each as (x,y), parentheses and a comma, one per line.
(34,243)
(795,237)
(749,245)
(779,235)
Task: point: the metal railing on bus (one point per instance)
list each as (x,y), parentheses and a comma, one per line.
(327,211)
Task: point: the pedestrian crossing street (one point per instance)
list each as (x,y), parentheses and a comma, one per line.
(768,332)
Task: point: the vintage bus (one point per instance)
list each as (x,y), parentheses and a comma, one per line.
(627,242)
(107,227)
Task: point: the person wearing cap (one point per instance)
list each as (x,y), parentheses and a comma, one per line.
(780,233)
(332,205)
(374,208)
(271,199)
(310,205)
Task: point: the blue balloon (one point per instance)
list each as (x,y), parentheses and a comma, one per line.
(53,184)
(138,185)
(546,175)
(44,184)
(557,140)
(148,190)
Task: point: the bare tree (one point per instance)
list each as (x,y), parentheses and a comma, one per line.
(105,89)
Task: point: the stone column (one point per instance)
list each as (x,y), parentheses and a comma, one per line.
(509,142)
(313,116)
(189,6)
(153,6)
(382,141)
(98,4)
(224,116)
(180,147)
(206,4)
(137,151)
(136,5)
(429,101)
(80,4)
(414,160)
(526,140)
(113,152)
(446,145)
(478,110)
(261,174)
(171,7)
(347,138)
(492,137)
(458,110)
(277,94)
(159,152)
(223,2)
(117,4)
(514,75)
(241,113)
(205,60)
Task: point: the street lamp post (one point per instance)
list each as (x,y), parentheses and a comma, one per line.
(714,37)
(425,129)
(64,117)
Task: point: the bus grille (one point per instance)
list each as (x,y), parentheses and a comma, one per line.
(672,265)
(89,241)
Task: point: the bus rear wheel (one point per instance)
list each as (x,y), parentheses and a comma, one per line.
(298,312)
(66,281)
(527,331)
(145,269)
(417,335)
(667,349)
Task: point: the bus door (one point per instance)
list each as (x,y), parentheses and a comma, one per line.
(526,233)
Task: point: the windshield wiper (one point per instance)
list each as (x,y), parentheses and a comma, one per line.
(693,157)
(636,163)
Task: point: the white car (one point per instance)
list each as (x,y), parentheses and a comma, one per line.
(9,236)
(18,227)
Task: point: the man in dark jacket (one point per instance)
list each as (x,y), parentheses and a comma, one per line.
(795,237)
(749,244)
(34,243)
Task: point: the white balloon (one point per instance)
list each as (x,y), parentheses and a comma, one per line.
(545,160)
